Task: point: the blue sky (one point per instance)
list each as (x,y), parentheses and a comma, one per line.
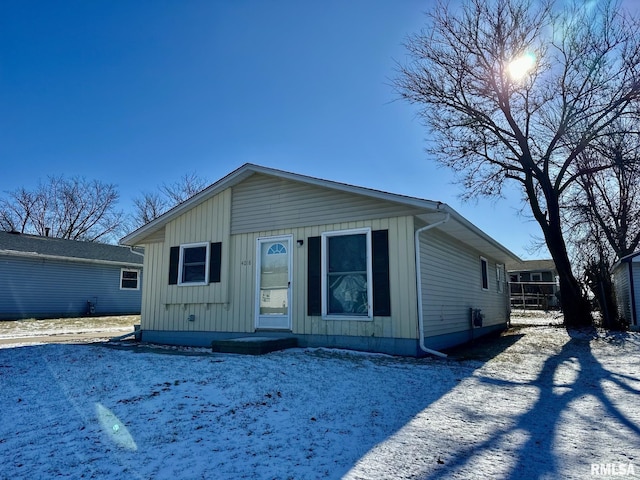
(138,93)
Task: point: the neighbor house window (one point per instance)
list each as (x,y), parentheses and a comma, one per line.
(129,279)
(500,277)
(484,269)
(192,268)
(347,274)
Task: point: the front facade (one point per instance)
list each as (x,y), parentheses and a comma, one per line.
(45,277)
(269,253)
(626,281)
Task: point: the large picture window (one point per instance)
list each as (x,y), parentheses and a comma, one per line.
(346,274)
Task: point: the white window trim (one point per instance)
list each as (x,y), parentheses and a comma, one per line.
(207,245)
(325,258)
(484,263)
(500,277)
(122,270)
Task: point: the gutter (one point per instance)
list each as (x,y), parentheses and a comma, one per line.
(16,253)
(423,347)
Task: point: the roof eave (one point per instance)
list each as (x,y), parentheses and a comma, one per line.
(137,236)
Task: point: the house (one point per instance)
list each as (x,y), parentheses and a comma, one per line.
(626,282)
(534,284)
(45,277)
(264,252)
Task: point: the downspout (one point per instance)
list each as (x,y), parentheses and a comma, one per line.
(423,347)
(133,251)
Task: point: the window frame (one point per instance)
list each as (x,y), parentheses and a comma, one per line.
(500,277)
(122,271)
(325,237)
(187,246)
(484,273)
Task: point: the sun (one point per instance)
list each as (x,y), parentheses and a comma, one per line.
(519,67)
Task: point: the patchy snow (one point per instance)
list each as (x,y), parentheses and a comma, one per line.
(64,326)
(548,406)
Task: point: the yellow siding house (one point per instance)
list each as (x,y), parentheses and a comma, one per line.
(263,252)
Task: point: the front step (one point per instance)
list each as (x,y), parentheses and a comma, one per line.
(253,345)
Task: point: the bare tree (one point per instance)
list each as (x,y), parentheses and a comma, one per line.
(516,90)
(151,205)
(74,208)
(148,206)
(603,214)
(185,187)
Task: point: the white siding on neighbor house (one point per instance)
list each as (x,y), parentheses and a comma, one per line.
(267,203)
(623,291)
(452,284)
(234,311)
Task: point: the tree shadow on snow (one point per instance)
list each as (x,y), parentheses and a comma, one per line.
(538,457)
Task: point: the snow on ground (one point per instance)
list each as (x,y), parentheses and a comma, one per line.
(548,406)
(63,326)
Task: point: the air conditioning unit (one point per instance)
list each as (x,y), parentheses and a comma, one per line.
(476,317)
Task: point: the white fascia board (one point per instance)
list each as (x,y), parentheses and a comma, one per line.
(249,169)
(497,250)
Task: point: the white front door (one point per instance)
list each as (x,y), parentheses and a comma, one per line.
(273,283)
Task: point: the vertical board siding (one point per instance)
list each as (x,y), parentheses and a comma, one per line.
(170,309)
(263,203)
(167,307)
(37,287)
(452,284)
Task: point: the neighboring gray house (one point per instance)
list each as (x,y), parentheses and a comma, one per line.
(264,252)
(45,277)
(626,281)
(534,284)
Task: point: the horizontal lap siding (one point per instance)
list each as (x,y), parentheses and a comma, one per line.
(262,206)
(265,203)
(402,323)
(34,287)
(452,284)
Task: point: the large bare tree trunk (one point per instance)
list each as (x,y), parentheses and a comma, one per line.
(575,306)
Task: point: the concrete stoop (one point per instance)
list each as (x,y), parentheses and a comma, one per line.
(253,345)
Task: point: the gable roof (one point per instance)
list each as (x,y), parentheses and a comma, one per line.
(430,211)
(25,245)
(633,257)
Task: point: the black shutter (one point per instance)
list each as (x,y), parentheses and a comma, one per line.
(215,262)
(174,260)
(314,279)
(381,286)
